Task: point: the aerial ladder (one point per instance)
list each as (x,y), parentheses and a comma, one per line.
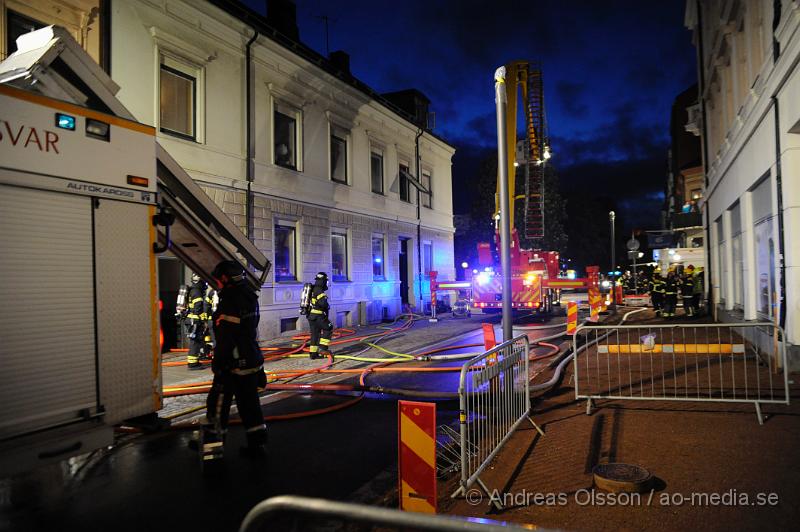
(535,281)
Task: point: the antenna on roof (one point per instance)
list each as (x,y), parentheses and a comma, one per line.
(326,19)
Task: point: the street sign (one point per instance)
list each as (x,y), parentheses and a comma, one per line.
(633,245)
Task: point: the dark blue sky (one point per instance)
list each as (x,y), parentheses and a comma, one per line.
(611,68)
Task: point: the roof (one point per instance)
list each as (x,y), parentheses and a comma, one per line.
(259,23)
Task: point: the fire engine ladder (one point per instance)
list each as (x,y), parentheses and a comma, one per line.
(534,183)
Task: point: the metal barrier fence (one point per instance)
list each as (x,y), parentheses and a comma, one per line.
(494,396)
(728,363)
(291,512)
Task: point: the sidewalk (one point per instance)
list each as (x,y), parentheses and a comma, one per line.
(691,448)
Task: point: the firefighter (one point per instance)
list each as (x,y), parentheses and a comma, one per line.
(697,293)
(318,321)
(211,302)
(238,363)
(196,315)
(657,291)
(687,290)
(670,294)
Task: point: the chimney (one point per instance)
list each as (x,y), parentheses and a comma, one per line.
(340,60)
(282,15)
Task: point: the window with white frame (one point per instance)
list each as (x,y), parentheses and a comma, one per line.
(287,125)
(723,263)
(339,269)
(405,184)
(339,154)
(766,296)
(426,197)
(376,169)
(427,257)
(378,256)
(738,256)
(285,251)
(178,98)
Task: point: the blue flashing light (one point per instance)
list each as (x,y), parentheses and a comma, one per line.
(65,121)
(378,260)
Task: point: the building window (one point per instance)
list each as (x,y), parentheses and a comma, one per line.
(339,271)
(338,155)
(16,26)
(765,266)
(405,185)
(178,99)
(425,198)
(286,134)
(427,257)
(285,251)
(376,170)
(288,324)
(378,258)
(738,256)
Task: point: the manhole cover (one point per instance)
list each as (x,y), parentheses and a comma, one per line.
(620,478)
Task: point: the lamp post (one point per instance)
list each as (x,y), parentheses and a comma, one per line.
(465,266)
(611,217)
(501,102)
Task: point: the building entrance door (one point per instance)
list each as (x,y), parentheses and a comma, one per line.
(403,262)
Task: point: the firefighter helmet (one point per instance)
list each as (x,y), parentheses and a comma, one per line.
(229,268)
(321,280)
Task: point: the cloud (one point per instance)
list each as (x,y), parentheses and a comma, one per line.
(569,96)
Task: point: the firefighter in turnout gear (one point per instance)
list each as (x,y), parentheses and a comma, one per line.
(657,291)
(687,290)
(698,277)
(321,327)
(670,294)
(196,314)
(238,363)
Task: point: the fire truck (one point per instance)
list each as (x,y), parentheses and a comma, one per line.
(89,203)
(535,281)
(530,272)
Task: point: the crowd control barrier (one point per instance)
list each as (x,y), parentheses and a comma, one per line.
(292,512)
(494,396)
(725,363)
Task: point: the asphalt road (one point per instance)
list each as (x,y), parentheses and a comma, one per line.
(155,482)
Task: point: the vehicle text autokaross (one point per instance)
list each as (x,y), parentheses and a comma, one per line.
(33,140)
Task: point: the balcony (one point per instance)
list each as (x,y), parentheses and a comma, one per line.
(681,220)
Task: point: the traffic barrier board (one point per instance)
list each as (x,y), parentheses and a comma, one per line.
(417,456)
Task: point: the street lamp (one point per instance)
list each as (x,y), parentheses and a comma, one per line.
(611,217)
(465,265)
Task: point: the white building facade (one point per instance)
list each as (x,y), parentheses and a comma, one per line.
(748,56)
(324,184)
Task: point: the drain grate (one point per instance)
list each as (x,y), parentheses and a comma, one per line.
(619,478)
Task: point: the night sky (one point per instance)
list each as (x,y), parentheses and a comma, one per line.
(611,69)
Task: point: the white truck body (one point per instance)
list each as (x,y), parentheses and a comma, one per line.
(79,320)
